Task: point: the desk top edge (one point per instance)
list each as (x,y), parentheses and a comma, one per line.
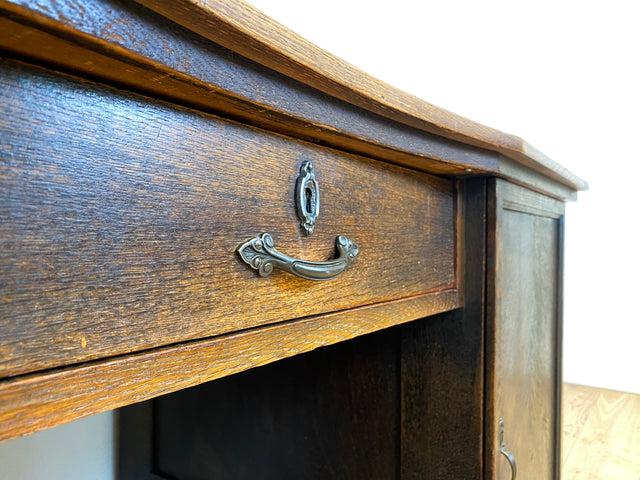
(243,28)
(78,41)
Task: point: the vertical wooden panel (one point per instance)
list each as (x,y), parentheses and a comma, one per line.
(331,413)
(442,366)
(135,442)
(523,339)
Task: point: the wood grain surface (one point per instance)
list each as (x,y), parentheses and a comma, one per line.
(525,361)
(442,367)
(109,40)
(30,403)
(328,414)
(601,434)
(121,217)
(523,333)
(243,28)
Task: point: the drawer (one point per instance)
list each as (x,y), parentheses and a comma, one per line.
(121,216)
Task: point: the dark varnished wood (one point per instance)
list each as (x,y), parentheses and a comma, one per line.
(244,29)
(332,413)
(524,332)
(443,367)
(444,402)
(121,216)
(110,41)
(135,444)
(30,403)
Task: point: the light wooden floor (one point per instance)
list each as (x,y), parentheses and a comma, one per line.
(601,434)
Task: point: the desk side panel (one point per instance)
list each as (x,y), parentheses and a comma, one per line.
(524,333)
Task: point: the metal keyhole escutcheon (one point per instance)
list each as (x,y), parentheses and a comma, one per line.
(307,198)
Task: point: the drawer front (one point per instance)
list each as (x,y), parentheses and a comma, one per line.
(120,218)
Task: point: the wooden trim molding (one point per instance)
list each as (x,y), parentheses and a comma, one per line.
(244,29)
(106,49)
(30,403)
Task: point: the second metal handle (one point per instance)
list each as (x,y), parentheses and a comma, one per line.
(505,452)
(260,254)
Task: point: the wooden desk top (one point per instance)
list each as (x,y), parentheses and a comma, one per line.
(112,46)
(244,29)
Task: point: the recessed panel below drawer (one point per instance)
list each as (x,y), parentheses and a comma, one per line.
(120,218)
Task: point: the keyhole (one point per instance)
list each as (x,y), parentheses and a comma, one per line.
(308,197)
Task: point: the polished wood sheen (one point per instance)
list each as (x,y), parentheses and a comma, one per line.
(122,216)
(313,416)
(242,28)
(33,402)
(109,40)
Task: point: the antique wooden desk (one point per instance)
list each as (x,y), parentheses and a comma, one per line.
(142,144)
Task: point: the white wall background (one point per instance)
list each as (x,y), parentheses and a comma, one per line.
(80,450)
(564,75)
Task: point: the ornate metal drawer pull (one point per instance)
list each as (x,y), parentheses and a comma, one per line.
(260,254)
(505,452)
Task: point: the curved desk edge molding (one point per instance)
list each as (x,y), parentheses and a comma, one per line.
(261,255)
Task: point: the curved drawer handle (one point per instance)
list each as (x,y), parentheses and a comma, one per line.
(505,452)
(260,254)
